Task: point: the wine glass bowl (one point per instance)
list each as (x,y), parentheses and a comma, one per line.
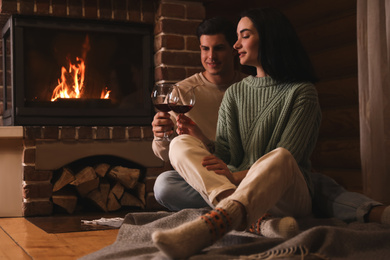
(159,97)
(181,101)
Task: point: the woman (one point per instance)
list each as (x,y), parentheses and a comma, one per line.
(267,129)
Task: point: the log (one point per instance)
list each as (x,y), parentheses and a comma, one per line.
(126,176)
(112,202)
(96,197)
(141,193)
(131,200)
(84,188)
(118,190)
(66,199)
(65,178)
(101,169)
(86,174)
(104,187)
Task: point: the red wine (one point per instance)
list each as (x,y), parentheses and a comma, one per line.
(181,109)
(163,107)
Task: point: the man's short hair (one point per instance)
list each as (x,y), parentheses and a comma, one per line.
(218,25)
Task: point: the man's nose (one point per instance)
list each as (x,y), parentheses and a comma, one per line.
(212,54)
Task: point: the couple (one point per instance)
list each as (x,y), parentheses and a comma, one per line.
(244,149)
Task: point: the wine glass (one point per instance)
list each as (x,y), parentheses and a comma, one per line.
(159,97)
(181,100)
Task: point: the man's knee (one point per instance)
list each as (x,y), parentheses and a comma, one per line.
(163,186)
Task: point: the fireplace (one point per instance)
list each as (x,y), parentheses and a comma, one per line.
(65,71)
(38,137)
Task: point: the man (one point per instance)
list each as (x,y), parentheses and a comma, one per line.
(217,37)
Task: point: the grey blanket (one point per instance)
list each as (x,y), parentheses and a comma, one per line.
(319,239)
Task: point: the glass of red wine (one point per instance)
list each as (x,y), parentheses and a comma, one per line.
(181,100)
(159,97)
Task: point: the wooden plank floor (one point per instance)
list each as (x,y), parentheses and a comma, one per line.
(20,239)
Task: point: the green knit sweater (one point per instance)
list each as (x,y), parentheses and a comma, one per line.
(258,115)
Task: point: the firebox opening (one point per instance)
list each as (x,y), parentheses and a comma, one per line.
(111,63)
(80,69)
(100,183)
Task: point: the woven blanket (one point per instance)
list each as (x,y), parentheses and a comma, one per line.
(319,239)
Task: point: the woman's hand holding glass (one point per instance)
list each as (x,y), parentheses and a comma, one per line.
(186,126)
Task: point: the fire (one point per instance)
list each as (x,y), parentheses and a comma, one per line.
(105,94)
(71,83)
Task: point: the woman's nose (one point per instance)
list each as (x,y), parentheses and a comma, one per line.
(237,45)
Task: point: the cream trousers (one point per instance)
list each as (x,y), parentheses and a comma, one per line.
(273,184)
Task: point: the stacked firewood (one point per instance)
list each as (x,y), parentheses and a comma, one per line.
(108,188)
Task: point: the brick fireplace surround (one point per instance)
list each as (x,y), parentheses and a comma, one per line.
(29,155)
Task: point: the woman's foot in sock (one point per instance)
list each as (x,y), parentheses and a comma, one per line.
(268,226)
(190,238)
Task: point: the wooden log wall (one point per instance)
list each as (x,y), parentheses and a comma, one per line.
(328,31)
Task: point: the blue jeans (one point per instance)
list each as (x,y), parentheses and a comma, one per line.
(330,199)
(174,193)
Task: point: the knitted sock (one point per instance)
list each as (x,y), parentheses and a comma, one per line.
(255,228)
(268,226)
(190,238)
(385,219)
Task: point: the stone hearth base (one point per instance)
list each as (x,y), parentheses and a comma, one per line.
(30,155)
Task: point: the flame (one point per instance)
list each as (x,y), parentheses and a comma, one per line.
(105,94)
(71,82)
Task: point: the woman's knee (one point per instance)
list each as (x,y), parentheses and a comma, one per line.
(182,146)
(182,140)
(276,156)
(278,161)
(283,153)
